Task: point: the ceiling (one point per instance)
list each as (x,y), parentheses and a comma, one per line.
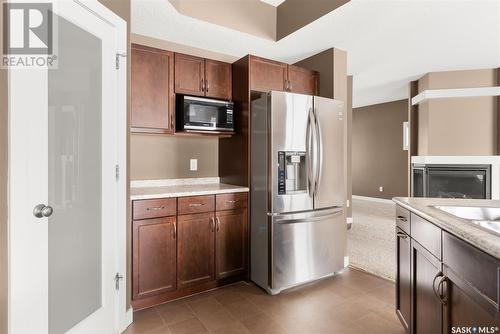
(389,42)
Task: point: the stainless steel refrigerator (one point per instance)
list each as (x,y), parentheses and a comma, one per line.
(298,228)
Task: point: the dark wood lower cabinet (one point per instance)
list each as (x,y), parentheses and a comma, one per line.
(154,256)
(427,307)
(196,248)
(195,257)
(230,251)
(454,287)
(403,278)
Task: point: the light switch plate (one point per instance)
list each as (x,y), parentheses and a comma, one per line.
(193,164)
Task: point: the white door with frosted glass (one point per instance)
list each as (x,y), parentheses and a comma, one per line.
(66,202)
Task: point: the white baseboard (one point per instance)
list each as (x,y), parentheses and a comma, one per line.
(127,320)
(373,199)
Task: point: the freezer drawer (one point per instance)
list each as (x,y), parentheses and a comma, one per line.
(306,246)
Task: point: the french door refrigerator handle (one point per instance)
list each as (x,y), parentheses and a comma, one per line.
(310,183)
(318,152)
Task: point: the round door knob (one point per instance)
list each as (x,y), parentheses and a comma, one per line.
(42,210)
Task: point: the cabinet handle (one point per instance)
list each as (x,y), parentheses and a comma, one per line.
(212,224)
(286,86)
(218,223)
(401,235)
(443,299)
(436,289)
(231,201)
(290,86)
(202,85)
(155,208)
(175,230)
(195,205)
(402,219)
(207,85)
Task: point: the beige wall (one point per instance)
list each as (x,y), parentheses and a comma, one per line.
(322,62)
(250,16)
(295,14)
(167,157)
(458,126)
(378,158)
(3,193)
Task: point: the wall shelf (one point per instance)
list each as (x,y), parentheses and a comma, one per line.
(457,92)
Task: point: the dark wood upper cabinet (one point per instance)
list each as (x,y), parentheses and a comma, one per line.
(152,91)
(154,257)
(267,75)
(218,79)
(302,81)
(230,238)
(195,249)
(403,278)
(189,75)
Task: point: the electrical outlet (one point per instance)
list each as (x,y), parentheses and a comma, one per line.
(193,164)
(381,189)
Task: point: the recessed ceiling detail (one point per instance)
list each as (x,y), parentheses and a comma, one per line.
(388,43)
(274,3)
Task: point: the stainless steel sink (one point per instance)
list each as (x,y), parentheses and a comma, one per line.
(483,217)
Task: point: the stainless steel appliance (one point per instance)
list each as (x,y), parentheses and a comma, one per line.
(202,114)
(451,181)
(298,228)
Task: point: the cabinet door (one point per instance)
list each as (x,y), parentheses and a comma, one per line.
(302,81)
(403,275)
(218,82)
(230,239)
(154,256)
(195,257)
(267,75)
(466,306)
(427,309)
(152,92)
(189,75)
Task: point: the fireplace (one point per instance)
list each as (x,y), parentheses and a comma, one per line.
(451,181)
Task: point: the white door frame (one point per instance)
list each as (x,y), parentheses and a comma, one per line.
(22,233)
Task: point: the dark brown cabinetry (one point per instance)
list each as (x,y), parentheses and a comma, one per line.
(152,91)
(186,245)
(230,238)
(403,277)
(202,77)
(154,256)
(451,283)
(195,263)
(302,81)
(267,75)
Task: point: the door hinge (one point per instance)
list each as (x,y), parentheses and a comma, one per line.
(117,59)
(118,277)
(117,172)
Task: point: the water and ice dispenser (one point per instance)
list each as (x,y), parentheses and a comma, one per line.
(292,175)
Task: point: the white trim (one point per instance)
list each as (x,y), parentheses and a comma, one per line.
(456,92)
(373,199)
(436,159)
(173,182)
(126,320)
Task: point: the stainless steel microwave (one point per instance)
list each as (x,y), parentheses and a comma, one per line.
(202,114)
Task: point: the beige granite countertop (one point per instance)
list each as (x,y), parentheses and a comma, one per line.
(181,187)
(486,241)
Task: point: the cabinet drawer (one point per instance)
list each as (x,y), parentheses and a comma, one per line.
(403,219)
(231,201)
(196,204)
(479,269)
(154,208)
(426,234)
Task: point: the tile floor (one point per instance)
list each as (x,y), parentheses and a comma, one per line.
(351,302)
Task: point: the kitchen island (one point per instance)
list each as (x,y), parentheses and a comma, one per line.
(448,267)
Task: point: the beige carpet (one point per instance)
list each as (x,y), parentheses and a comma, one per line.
(370,241)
